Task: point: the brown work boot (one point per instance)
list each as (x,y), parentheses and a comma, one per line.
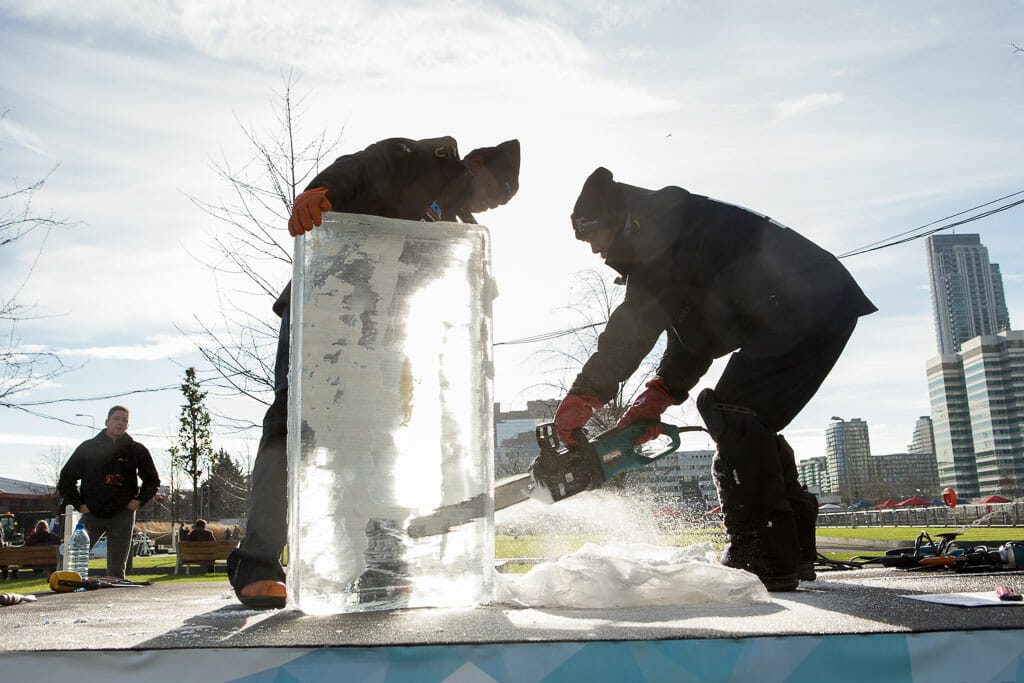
(258,583)
(263,594)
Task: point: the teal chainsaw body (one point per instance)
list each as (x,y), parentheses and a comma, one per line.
(590,463)
(557,473)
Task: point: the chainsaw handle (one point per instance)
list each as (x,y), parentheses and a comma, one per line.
(634,430)
(672,432)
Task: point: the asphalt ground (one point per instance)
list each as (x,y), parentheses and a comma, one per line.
(207,615)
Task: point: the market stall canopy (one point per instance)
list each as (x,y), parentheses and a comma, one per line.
(995,499)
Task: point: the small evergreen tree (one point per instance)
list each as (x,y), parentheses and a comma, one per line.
(193,454)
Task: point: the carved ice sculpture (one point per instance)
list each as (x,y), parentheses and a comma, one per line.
(390,400)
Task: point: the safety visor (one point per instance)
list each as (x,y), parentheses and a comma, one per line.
(585,227)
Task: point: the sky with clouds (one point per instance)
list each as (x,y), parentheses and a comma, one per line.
(850,122)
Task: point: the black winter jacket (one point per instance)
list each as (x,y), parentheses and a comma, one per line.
(109,472)
(717,278)
(397,178)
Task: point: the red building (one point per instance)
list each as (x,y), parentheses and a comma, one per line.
(23,503)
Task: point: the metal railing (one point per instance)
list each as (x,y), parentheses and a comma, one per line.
(997,514)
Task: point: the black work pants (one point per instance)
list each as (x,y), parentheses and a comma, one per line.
(768,516)
(777,388)
(266,530)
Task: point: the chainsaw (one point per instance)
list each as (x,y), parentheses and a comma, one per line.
(557,473)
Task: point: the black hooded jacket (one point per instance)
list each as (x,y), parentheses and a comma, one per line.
(397,178)
(109,472)
(717,278)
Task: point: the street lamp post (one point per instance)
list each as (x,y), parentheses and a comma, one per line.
(92,420)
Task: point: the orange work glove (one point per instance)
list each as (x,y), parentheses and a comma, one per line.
(573,412)
(307,210)
(648,406)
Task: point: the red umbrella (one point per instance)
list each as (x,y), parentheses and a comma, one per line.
(995,499)
(914,501)
(887,504)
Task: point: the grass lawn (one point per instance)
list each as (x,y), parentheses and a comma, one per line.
(155,568)
(160,568)
(979,534)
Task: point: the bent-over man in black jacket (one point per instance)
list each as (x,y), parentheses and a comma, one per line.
(109,467)
(417,180)
(720,279)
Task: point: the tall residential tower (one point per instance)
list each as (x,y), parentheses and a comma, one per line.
(847,450)
(967,291)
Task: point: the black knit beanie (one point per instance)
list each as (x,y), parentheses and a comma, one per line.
(598,206)
(503,162)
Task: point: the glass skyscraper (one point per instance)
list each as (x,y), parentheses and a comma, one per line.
(994,381)
(951,425)
(967,291)
(847,449)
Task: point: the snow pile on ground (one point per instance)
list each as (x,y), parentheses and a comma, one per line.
(620,575)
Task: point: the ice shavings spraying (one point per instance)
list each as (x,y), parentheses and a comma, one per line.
(615,514)
(633,566)
(620,575)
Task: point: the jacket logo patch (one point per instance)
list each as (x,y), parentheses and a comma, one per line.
(434,211)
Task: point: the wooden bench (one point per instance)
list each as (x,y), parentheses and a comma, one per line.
(29,557)
(202,553)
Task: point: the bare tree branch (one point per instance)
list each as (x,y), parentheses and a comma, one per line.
(49,464)
(250,250)
(593,300)
(23,369)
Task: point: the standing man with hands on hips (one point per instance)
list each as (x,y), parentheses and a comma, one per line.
(109,467)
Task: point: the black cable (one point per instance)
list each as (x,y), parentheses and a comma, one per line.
(928,225)
(547,336)
(893,241)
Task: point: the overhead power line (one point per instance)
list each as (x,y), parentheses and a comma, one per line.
(927,229)
(901,238)
(150,390)
(547,336)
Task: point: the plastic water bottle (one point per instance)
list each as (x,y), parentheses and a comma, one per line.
(78,552)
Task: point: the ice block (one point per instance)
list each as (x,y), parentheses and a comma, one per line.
(390,414)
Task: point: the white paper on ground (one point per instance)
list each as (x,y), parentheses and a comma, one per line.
(619,575)
(982,599)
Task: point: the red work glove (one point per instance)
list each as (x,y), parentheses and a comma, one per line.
(307,210)
(573,412)
(648,406)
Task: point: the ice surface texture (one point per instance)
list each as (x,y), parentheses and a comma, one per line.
(390,413)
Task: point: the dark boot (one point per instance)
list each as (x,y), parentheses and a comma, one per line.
(258,583)
(758,519)
(805,511)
